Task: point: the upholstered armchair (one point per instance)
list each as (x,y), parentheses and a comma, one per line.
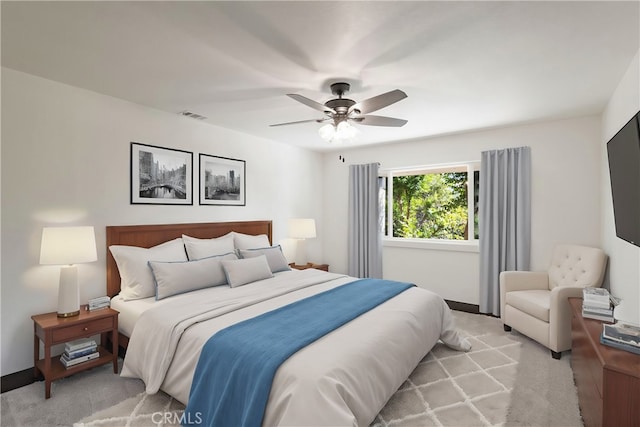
(535,303)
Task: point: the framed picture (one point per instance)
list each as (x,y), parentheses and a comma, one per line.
(222,181)
(161,176)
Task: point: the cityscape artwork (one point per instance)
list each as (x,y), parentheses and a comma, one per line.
(160,175)
(222,181)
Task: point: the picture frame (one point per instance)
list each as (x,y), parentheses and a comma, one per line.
(160,175)
(222,181)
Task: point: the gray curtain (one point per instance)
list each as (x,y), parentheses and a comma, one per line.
(365,238)
(505,219)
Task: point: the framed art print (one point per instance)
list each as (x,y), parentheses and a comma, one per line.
(222,181)
(161,176)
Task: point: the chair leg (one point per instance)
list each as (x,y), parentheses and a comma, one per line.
(556,355)
(506,328)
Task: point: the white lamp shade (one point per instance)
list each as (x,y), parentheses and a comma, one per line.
(302,228)
(68,245)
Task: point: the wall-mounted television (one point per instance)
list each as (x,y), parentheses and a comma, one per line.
(624,169)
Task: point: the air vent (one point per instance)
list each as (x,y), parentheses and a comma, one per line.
(191,114)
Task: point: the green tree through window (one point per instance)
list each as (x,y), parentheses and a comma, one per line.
(433,205)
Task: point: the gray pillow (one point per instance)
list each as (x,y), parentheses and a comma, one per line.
(243,271)
(173,278)
(275,258)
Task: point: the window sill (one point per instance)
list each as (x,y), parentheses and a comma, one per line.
(431,244)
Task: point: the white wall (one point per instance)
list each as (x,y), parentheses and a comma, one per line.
(65,160)
(624,261)
(566,158)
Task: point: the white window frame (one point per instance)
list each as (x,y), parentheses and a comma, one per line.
(469,245)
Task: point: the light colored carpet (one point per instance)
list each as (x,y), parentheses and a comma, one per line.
(506,379)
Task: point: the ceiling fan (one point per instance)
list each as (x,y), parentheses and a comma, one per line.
(339,111)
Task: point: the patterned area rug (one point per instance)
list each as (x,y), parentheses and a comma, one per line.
(447,388)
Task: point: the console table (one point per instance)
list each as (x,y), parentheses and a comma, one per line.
(608,379)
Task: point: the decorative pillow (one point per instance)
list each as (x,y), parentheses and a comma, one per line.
(275,257)
(247,241)
(133,264)
(242,271)
(173,278)
(205,248)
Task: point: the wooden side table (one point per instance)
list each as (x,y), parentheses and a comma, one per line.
(607,379)
(52,330)
(323,267)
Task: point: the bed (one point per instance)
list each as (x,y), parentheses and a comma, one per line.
(343,378)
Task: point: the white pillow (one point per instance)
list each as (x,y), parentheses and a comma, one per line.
(174,278)
(133,265)
(247,241)
(275,257)
(205,248)
(242,271)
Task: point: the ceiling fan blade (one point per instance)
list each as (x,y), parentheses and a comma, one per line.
(300,121)
(378,102)
(378,121)
(311,103)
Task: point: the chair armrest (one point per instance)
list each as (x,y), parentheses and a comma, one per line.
(560,299)
(560,316)
(524,280)
(521,281)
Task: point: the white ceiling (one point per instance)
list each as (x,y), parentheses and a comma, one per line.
(464,65)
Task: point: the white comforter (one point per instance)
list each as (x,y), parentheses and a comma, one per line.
(344,378)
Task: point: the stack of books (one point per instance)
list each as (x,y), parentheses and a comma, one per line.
(79,351)
(622,336)
(98,303)
(596,304)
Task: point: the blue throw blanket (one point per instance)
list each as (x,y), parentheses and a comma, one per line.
(232,381)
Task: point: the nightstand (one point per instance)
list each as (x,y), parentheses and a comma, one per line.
(52,330)
(323,267)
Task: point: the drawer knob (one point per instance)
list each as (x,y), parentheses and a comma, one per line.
(86,329)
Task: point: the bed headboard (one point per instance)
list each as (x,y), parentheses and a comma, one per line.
(147,236)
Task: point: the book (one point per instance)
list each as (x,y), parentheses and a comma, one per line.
(619,345)
(623,333)
(598,310)
(79,344)
(597,316)
(595,294)
(73,362)
(99,300)
(100,305)
(98,308)
(596,304)
(79,353)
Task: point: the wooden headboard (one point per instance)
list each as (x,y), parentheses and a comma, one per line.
(146,236)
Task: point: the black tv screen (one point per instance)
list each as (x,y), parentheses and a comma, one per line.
(624,168)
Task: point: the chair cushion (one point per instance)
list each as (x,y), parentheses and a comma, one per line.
(535,302)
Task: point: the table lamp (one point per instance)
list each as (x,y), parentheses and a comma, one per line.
(302,229)
(68,246)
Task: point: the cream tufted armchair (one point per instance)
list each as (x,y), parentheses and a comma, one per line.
(535,303)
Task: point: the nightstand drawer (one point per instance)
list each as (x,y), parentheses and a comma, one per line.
(82,329)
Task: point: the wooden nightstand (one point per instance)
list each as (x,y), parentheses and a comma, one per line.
(53,330)
(323,267)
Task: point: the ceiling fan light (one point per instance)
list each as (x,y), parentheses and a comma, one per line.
(327,132)
(346,132)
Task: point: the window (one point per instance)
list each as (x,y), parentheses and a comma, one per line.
(432,202)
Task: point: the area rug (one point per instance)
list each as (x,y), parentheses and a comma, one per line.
(506,379)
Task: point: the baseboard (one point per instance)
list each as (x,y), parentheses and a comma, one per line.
(463,306)
(17,380)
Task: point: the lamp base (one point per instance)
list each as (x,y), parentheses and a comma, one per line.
(73,313)
(68,292)
(301,252)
